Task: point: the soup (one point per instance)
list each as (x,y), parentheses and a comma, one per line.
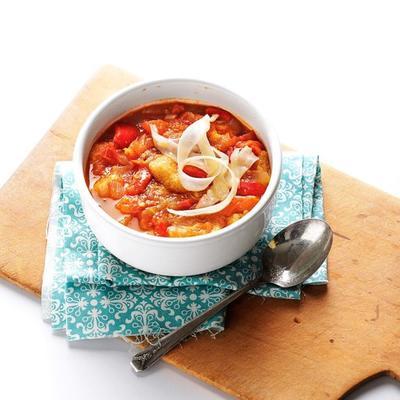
(178,169)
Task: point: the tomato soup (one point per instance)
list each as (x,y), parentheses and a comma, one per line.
(178,169)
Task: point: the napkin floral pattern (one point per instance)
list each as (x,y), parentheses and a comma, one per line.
(89,293)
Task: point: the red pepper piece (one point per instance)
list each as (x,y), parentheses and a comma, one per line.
(195,172)
(184,204)
(239,205)
(124,135)
(250,189)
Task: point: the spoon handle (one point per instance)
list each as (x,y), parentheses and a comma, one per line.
(153,353)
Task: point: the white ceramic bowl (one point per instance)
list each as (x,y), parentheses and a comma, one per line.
(175,256)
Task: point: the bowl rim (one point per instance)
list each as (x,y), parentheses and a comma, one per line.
(274,154)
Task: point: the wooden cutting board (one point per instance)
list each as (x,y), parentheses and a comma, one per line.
(321,347)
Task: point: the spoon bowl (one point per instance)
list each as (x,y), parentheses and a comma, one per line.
(296,252)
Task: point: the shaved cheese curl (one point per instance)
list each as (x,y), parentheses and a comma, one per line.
(241,160)
(195,135)
(214,117)
(216,207)
(168,147)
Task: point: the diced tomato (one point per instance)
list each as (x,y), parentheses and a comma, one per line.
(223,115)
(105,154)
(161,228)
(98,168)
(176,128)
(239,205)
(129,205)
(250,189)
(110,154)
(247,136)
(124,135)
(161,125)
(138,146)
(195,172)
(255,146)
(96,154)
(221,141)
(177,109)
(184,204)
(140,179)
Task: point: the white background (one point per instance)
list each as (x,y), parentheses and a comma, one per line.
(326,74)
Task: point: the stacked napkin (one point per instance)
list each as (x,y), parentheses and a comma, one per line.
(89,293)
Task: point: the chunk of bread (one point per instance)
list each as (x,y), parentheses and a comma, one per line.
(165,170)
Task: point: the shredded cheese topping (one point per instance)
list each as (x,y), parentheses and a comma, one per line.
(223,175)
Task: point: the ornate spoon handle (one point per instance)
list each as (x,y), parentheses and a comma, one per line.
(153,353)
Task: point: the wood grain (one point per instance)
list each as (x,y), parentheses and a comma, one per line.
(321,347)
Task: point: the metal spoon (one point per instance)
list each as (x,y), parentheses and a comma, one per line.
(291,257)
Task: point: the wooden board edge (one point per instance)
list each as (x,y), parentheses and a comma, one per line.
(370,378)
(18,284)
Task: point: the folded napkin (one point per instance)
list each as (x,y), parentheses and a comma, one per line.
(89,293)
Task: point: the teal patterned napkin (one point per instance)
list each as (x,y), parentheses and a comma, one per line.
(89,293)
